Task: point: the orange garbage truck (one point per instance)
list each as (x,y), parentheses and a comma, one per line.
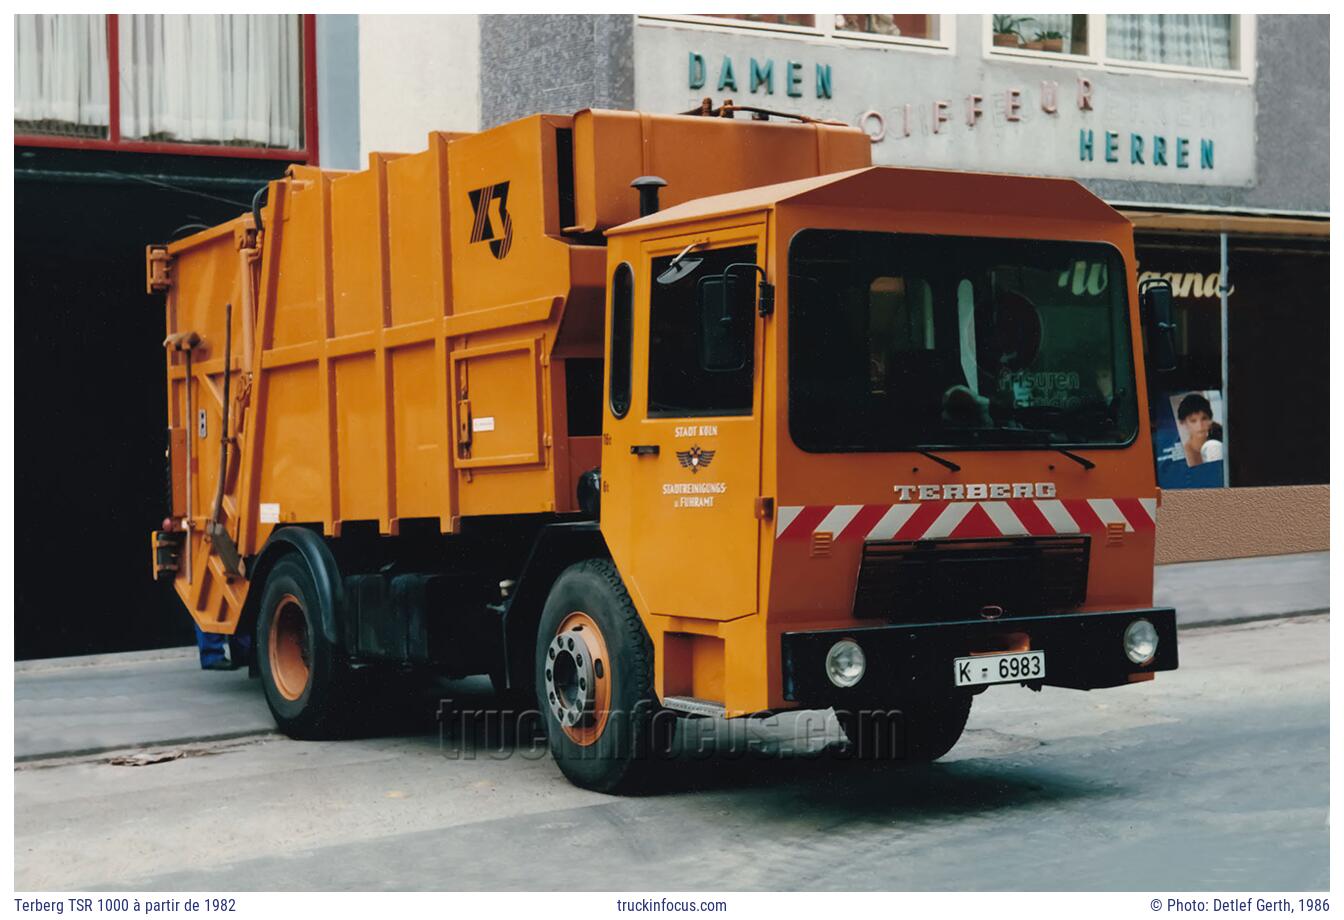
(665,416)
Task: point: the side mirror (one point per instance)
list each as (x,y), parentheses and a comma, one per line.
(725,323)
(679,268)
(1160,324)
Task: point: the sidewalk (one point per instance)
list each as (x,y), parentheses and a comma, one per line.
(1236,590)
(95,703)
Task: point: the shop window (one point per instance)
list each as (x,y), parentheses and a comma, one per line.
(895,25)
(60,75)
(805,20)
(1186,404)
(1278,395)
(224,79)
(1208,42)
(1270,422)
(686,375)
(1050,33)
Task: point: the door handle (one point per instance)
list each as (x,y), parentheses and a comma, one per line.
(644,450)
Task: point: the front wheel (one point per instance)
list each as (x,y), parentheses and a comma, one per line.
(594,679)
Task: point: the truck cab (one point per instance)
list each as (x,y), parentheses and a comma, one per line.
(874,439)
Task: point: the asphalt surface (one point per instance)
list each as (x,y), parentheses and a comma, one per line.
(1214,777)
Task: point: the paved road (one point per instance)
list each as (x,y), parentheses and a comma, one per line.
(1214,777)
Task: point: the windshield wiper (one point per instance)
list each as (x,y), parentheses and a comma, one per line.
(1036,432)
(1081,461)
(954,467)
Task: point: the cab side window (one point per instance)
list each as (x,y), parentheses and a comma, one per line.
(687,373)
(622,322)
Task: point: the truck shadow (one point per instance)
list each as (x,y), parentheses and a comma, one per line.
(802,758)
(840,793)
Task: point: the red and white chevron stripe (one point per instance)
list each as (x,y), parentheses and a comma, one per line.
(936,519)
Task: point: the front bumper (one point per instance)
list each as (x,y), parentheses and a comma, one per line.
(1084,651)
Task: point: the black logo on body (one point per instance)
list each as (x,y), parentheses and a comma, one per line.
(492,223)
(695,459)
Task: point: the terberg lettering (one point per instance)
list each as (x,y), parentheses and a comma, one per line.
(970,491)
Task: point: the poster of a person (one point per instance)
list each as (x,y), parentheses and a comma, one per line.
(1200,423)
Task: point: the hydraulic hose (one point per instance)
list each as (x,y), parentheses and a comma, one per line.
(256,206)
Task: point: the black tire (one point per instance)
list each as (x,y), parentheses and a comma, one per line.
(630,737)
(915,731)
(315,705)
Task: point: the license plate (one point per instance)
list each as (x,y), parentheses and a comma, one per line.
(998,669)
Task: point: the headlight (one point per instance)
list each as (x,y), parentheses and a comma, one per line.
(845,663)
(1140,641)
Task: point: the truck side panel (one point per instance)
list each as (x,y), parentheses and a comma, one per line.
(375,395)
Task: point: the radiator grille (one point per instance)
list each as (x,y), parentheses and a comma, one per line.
(936,580)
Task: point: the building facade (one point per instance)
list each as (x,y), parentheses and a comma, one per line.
(1210,132)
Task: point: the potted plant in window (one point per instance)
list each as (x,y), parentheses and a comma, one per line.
(1008,30)
(1048,40)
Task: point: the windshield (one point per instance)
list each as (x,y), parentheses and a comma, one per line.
(899,341)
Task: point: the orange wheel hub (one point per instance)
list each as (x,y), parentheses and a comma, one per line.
(288,648)
(578,678)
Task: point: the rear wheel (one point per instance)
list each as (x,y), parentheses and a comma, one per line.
(594,678)
(915,731)
(306,679)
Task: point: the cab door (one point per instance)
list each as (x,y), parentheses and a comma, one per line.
(690,442)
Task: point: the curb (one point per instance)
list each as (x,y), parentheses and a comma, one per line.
(112,658)
(1254,618)
(65,756)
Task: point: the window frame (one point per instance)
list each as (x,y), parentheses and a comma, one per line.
(1127,312)
(115,142)
(713,244)
(947,30)
(825,30)
(1097,58)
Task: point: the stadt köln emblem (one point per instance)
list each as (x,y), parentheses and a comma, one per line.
(695,459)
